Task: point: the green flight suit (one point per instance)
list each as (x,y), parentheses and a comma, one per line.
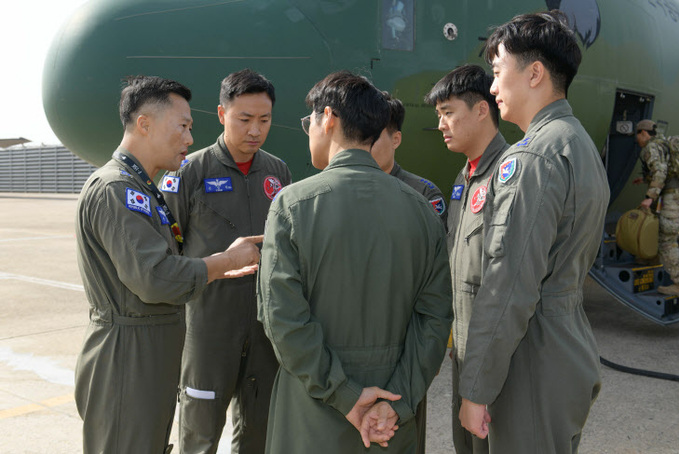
(435,198)
(227,357)
(465,249)
(136,284)
(425,187)
(354,291)
(531,355)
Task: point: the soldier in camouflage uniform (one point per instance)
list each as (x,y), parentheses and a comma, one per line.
(662,181)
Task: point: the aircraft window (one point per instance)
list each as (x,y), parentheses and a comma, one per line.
(398,24)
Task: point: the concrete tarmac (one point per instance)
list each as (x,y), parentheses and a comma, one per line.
(43,315)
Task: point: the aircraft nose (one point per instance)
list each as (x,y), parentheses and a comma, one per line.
(197,43)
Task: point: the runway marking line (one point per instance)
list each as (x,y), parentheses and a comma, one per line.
(32,408)
(37,280)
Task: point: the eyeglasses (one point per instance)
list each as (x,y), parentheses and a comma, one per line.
(306,121)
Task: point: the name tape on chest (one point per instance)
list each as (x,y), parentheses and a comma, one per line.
(218,184)
(272,186)
(170,184)
(438,204)
(457,192)
(137,201)
(507,170)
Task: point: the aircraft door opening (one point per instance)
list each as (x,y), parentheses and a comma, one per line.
(622,151)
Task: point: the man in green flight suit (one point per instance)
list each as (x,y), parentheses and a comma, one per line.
(354,287)
(384,151)
(220,193)
(135,279)
(468,119)
(662,181)
(531,367)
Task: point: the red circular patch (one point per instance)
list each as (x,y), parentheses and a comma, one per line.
(478,199)
(272,186)
(140,199)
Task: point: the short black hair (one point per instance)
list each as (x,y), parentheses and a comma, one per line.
(242,82)
(469,83)
(543,37)
(141,90)
(397,113)
(360,106)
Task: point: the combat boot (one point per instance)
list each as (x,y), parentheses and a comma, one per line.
(669,289)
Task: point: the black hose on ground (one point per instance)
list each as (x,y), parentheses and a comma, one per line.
(642,372)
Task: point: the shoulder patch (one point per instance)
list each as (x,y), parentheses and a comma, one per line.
(136,201)
(524,142)
(125,173)
(163,217)
(507,170)
(170,184)
(438,204)
(457,192)
(272,186)
(218,184)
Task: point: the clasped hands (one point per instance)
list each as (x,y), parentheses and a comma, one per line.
(375,421)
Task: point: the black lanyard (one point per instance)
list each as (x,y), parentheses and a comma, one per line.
(174,226)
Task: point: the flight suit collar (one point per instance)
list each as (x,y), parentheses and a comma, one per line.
(495,147)
(557,109)
(352,157)
(223,154)
(126,152)
(395,170)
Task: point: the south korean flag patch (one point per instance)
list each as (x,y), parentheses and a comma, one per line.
(507,170)
(136,201)
(170,184)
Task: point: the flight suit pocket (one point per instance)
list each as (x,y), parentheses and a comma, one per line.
(198,420)
(473,243)
(502,208)
(554,305)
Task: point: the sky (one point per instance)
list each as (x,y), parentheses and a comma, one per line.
(26,32)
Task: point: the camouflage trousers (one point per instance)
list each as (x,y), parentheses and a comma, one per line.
(668,249)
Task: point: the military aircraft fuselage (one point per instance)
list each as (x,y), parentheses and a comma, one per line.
(629,71)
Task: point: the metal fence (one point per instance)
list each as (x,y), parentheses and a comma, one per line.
(35,168)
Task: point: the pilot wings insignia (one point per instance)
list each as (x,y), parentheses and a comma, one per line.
(218,184)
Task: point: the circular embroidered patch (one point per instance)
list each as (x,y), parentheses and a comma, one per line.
(272,186)
(478,199)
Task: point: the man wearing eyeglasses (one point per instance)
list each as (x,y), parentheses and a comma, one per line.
(222,192)
(354,289)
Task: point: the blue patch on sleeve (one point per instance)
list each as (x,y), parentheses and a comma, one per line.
(457,192)
(218,184)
